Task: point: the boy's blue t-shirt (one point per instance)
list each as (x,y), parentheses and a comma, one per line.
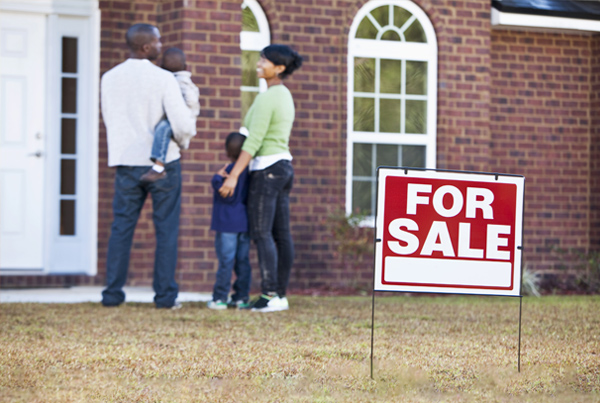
(229,213)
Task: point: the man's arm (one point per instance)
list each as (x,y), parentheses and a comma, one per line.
(178,114)
(104,104)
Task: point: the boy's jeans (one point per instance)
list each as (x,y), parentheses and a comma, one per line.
(162,137)
(269,223)
(128,201)
(233,249)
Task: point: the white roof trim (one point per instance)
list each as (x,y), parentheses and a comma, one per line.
(545,22)
(62,7)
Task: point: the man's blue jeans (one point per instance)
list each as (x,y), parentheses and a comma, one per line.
(269,224)
(162,138)
(129,198)
(233,252)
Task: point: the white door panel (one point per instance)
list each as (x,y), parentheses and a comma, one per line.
(22,145)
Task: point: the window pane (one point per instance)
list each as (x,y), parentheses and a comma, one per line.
(416,117)
(247,99)
(387,154)
(69,95)
(68,138)
(249,59)
(389,115)
(391,77)
(249,22)
(362,196)
(364,114)
(391,36)
(69,55)
(364,74)
(413,156)
(67,177)
(362,160)
(382,15)
(400,16)
(415,33)
(416,78)
(67,217)
(366,30)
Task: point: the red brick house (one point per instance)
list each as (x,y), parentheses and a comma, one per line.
(448,84)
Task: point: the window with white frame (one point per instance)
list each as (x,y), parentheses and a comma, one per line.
(255,36)
(392,84)
(72,154)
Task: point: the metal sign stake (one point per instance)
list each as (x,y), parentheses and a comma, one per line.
(519,351)
(372,331)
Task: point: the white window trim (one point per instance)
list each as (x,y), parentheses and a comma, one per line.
(372,49)
(256,41)
(87,29)
(514,20)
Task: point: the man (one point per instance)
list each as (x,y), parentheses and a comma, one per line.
(136,95)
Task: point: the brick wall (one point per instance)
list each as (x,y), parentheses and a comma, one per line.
(316,31)
(508,102)
(540,120)
(463,30)
(212,37)
(595,145)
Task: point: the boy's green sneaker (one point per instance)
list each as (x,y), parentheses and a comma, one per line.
(238,304)
(217,305)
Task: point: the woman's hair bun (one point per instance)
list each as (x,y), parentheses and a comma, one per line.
(283,55)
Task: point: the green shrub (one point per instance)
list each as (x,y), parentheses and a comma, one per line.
(585,273)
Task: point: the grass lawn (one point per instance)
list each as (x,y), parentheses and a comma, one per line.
(427,349)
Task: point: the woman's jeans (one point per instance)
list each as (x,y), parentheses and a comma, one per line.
(128,201)
(162,138)
(269,224)
(233,252)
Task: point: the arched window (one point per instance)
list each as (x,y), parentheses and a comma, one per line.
(392,84)
(255,36)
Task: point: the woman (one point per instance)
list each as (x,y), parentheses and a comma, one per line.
(269,122)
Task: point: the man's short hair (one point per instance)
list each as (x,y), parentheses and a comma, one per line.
(139,35)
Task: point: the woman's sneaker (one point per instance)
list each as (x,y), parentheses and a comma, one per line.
(284,303)
(268,303)
(217,305)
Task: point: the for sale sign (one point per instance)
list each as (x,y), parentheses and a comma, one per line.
(448,232)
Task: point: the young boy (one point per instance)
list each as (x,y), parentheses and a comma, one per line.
(232,242)
(173,61)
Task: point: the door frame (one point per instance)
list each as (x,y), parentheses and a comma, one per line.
(56,247)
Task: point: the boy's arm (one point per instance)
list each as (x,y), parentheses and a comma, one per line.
(219,177)
(241,192)
(217,182)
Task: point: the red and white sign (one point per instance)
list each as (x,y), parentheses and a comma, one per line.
(448,232)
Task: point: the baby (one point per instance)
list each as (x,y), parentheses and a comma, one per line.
(174,61)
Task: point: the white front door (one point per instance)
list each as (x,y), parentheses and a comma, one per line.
(22,140)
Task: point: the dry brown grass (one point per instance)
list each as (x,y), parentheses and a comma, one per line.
(427,349)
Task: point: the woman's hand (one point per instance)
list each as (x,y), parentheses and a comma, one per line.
(228,187)
(231,180)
